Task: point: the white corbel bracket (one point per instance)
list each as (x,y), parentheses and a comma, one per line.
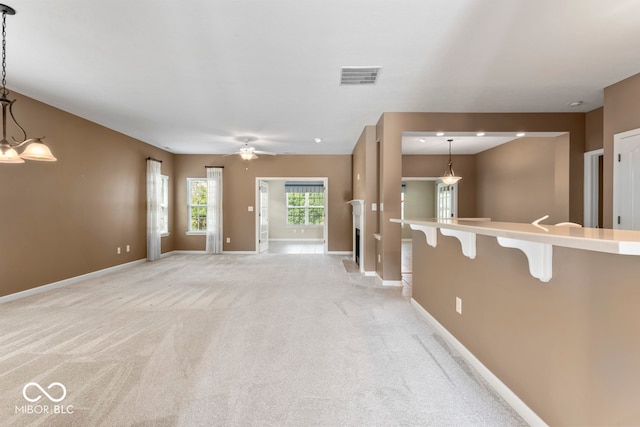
(467,241)
(540,256)
(429,232)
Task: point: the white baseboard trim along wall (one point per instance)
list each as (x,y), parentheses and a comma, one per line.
(67,282)
(501,388)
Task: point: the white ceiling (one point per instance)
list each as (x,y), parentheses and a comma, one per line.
(462,142)
(195,75)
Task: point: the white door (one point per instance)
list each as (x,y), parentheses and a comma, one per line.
(264,216)
(626,180)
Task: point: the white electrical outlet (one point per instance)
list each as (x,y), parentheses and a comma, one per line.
(250,208)
(118,250)
(374,207)
(378,258)
(228,239)
(459,305)
(128,248)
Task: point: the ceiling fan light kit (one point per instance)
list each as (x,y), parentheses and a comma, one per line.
(247,152)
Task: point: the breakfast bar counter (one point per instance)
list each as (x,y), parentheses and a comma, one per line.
(552,312)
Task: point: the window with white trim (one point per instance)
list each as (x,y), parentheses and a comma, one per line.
(164,204)
(197,205)
(305,203)
(446,200)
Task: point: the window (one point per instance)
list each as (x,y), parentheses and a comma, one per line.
(164,204)
(446,200)
(197,208)
(305,203)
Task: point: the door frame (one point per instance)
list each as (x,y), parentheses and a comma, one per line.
(591,180)
(618,140)
(325,228)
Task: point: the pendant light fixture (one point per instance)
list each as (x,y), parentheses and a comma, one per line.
(449,177)
(35,149)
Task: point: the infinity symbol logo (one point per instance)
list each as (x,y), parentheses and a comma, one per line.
(36,385)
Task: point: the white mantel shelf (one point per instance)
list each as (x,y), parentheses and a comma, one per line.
(536,241)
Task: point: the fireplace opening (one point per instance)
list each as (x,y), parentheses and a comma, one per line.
(357,246)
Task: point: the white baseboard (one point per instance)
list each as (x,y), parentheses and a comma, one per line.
(240,252)
(393,283)
(67,282)
(501,388)
(339,253)
(296,240)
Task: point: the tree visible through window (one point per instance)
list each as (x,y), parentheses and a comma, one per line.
(305,208)
(197,204)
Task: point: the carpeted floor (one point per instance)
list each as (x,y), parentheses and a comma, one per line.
(237,340)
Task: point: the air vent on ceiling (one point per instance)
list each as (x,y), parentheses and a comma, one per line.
(359,75)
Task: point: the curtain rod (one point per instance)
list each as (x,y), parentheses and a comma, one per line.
(155,160)
(221,167)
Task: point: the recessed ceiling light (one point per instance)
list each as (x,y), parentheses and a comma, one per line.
(520,134)
(576,104)
(317,140)
(440,134)
(422,140)
(480,134)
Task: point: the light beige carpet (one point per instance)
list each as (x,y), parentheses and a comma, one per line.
(233,340)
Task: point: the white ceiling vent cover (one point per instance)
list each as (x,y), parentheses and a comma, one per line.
(359,75)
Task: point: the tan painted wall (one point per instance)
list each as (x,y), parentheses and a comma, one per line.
(390,128)
(568,348)
(523,180)
(365,187)
(595,129)
(433,166)
(621,114)
(419,202)
(67,218)
(239,192)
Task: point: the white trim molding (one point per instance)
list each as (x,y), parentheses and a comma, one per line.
(67,282)
(501,388)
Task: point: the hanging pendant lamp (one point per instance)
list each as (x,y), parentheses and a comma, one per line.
(449,177)
(35,149)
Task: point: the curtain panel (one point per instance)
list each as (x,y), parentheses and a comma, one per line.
(153,209)
(214,210)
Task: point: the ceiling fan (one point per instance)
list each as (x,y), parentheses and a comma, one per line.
(247,152)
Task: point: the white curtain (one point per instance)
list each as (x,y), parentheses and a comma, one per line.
(153,209)
(214,210)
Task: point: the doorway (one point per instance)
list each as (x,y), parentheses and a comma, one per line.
(626,186)
(593,188)
(296,212)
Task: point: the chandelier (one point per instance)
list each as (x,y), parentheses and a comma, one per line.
(34,149)
(449,176)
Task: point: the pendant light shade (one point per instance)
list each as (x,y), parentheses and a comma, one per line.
(9,154)
(35,149)
(38,151)
(449,177)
